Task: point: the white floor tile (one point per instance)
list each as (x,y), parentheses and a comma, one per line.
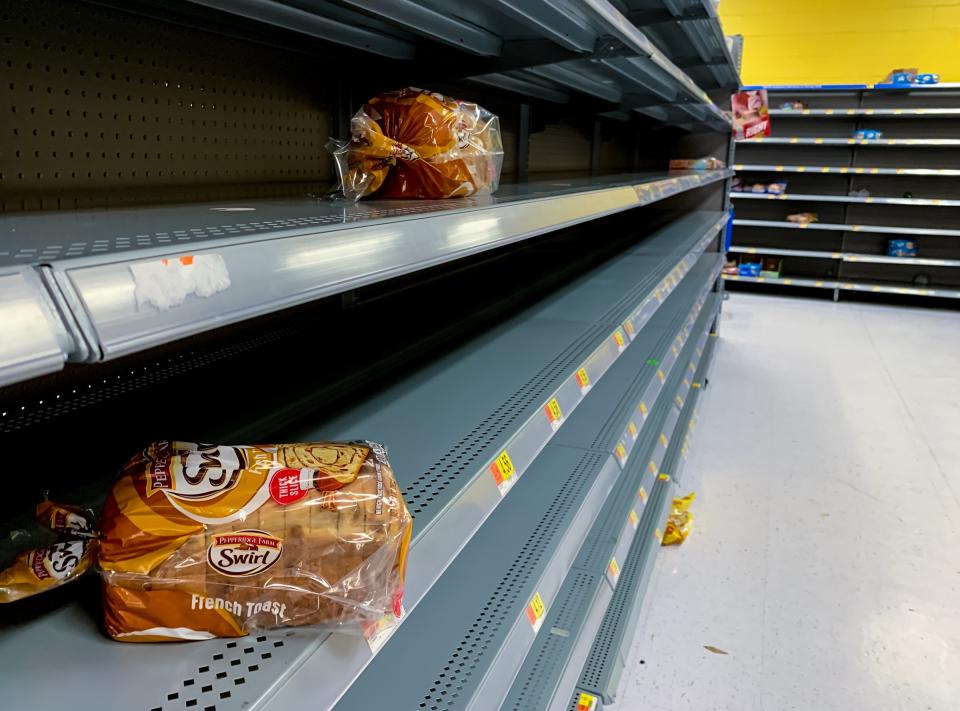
(825,554)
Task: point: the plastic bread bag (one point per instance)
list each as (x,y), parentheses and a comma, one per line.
(413,143)
(46,567)
(203,541)
(679,522)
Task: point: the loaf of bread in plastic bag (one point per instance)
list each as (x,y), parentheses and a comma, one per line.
(202,541)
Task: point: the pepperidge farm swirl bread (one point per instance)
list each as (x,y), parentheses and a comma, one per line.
(202,541)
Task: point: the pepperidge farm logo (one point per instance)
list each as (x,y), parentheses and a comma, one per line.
(242,553)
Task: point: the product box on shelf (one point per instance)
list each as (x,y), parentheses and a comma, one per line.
(770,267)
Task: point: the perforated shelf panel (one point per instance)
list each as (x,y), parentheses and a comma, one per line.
(102,107)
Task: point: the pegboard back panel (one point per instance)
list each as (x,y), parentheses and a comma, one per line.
(105,108)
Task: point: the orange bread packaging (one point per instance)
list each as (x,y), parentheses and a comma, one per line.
(40,569)
(202,541)
(413,143)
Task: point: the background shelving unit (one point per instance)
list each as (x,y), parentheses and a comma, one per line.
(452,331)
(909,174)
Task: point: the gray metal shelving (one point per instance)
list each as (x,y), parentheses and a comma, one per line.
(843,170)
(576,43)
(471,410)
(848,286)
(530,359)
(879,113)
(872,142)
(848,199)
(275,254)
(600,670)
(862,195)
(846,256)
(831,227)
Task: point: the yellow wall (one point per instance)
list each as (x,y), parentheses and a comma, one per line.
(843,41)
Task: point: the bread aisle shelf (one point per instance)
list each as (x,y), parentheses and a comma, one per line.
(844,170)
(459,416)
(849,199)
(879,229)
(290,253)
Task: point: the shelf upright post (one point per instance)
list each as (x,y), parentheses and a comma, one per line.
(523,142)
(596,141)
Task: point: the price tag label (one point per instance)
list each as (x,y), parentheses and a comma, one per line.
(634,519)
(377,633)
(614,569)
(661,375)
(679,401)
(632,430)
(535,612)
(586,702)
(503,471)
(652,467)
(658,535)
(643,409)
(619,339)
(621,453)
(554,414)
(628,327)
(583,380)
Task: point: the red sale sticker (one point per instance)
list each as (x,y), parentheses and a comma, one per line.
(285,486)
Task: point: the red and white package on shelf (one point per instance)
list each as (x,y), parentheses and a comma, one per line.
(751,114)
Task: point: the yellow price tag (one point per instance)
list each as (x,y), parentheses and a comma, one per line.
(642,494)
(658,535)
(583,379)
(643,409)
(619,339)
(614,568)
(554,413)
(535,611)
(652,466)
(502,468)
(628,327)
(663,439)
(661,375)
(586,702)
(634,519)
(621,453)
(632,429)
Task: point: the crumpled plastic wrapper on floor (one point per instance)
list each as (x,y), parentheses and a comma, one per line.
(680,521)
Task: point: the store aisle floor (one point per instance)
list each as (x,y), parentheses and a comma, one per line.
(825,555)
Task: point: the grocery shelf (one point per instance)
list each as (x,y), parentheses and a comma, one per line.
(878,113)
(853,88)
(915,261)
(846,256)
(35,340)
(873,142)
(691,34)
(844,170)
(739,249)
(850,286)
(472,630)
(849,199)
(605,566)
(881,229)
(601,671)
(273,254)
(555,42)
(471,409)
